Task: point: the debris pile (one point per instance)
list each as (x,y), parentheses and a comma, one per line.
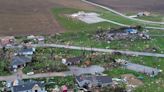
(125,33)
(131,81)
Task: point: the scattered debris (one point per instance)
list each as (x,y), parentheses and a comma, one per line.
(140,14)
(131,81)
(72,61)
(38,39)
(7,40)
(124,33)
(143,14)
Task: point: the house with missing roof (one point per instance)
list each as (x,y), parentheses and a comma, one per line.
(72,61)
(29,86)
(88,81)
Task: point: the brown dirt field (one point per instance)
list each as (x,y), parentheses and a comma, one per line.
(133,6)
(77,4)
(26,17)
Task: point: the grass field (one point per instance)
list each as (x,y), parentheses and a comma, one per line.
(157,18)
(81,34)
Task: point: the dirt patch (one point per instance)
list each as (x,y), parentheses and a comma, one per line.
(77,4)
(25,17)
(132,80)
(133,6)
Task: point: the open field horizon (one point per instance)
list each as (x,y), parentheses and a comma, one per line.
(133,6)
(35,17)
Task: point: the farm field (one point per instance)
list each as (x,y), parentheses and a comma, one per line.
(28,17)
(125,6)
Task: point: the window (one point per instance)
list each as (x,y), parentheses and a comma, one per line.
(36,90)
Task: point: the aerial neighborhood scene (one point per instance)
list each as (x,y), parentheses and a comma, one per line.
(81,45)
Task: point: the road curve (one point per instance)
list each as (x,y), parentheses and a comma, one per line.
(120,24)
(133,53)
(118,13)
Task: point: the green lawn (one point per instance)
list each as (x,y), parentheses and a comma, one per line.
(114,17)
(81,34)
(153,18)
(150,84)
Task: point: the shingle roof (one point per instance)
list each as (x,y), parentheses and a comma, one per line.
(27,86)
(26,50)
(20,60)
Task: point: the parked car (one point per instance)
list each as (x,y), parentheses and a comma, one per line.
(30,73)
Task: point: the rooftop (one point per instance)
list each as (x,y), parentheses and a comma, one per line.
(20,60)
(27,86)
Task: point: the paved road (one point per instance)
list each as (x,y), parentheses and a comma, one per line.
(20,75)
(100,50)
(158,28)
(120,24)
(24,76)
(116,23)
(118,13)
(132,53)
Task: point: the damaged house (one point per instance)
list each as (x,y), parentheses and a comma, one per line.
(124,33)
(88,81)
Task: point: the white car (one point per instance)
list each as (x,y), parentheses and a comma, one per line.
(30,73)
